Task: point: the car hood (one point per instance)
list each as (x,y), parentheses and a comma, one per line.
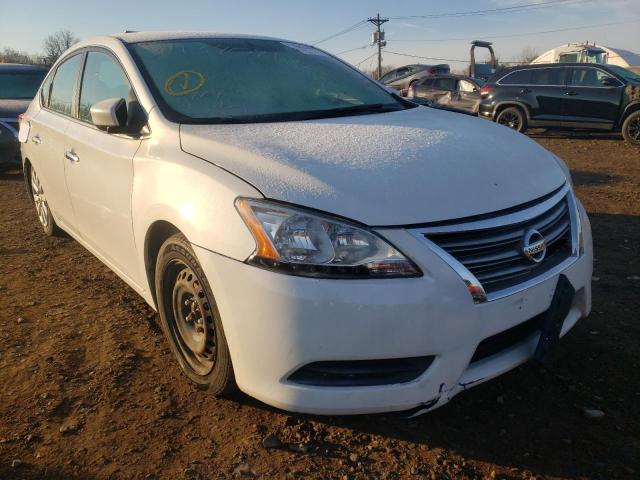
(407,167)
(12,108)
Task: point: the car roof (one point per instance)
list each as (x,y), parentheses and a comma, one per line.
(21,67)
(135,37)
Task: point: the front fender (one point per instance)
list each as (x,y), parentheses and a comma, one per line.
(192,194)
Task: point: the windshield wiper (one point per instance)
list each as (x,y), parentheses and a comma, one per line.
(297,116)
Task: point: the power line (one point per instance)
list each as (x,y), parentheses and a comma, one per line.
(488,35)
(365,59)
(430,58)
(353,49)
(470,13)
(342,32)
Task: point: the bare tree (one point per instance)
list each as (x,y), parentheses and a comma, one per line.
(10,55)
(56,44)
(527,55)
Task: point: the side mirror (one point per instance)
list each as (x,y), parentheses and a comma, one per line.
(110,114)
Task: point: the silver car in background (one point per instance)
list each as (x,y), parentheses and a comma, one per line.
(403,78)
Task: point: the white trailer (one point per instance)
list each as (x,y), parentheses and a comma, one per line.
(590,53)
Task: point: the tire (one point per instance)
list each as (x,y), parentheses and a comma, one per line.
(45,217)
(631,128)
(190,319)
(513,118)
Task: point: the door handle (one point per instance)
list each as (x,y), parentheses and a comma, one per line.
(36,139)
(71,156)
(571,93)
(525,90)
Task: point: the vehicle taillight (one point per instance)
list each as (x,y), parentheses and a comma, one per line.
(486,90)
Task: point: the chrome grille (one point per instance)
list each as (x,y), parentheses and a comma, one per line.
(494,255)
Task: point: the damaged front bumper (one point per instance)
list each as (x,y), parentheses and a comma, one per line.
(278,324)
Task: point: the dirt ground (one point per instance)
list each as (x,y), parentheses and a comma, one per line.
(88,387)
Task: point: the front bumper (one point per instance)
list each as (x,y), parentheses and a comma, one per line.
(276,323)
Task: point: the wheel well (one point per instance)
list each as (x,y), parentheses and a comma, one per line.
(157,234)
(26,171)
(504,106)
(634,107)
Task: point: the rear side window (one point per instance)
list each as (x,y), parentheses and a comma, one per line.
(445,83)
(64,85)
(45,91)
(519,77)
(548,76)
(466,86)
(103,78)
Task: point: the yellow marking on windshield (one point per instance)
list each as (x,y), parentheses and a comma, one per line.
(183,82)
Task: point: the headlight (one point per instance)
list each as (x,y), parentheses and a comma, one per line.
(299,242)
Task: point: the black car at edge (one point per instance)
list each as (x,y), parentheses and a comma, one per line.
(565,95)
(18,85)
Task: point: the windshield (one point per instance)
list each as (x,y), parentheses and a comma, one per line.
(228,80)
(20,85)
(626,74)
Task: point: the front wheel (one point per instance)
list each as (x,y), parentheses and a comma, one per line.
(190,319)
(631,128)
(513,118)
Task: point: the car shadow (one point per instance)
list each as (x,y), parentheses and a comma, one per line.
(12,175)
(575,135)
(585,178)
(533,418)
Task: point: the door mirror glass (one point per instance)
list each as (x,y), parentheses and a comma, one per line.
(110,114)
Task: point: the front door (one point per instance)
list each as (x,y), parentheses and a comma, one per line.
(592,99)
(99,168)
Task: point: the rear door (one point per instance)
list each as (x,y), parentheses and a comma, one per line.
(593,98)
(99,167)
(47,136)
(548,90)
(467,96)
(444,89)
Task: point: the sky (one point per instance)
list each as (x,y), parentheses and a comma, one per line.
(614,23)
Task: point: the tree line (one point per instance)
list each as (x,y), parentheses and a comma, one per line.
(53,46)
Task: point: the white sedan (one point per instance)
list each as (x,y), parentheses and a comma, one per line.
(305,235)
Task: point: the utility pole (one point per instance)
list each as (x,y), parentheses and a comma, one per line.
(378,37)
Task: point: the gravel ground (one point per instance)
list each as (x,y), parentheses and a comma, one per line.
(90,390)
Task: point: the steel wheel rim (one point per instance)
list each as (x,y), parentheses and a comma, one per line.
(42,207)
(634,129)
(191,320)
(510,119)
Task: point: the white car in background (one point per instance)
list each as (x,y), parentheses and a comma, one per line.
(304,234)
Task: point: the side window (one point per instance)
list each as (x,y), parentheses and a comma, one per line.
(588,77)
(45,91)
(428,82)
(548,76)
(445,83)
(388,76)
(103,78)
(465,86)
(64,85)
(519,77)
